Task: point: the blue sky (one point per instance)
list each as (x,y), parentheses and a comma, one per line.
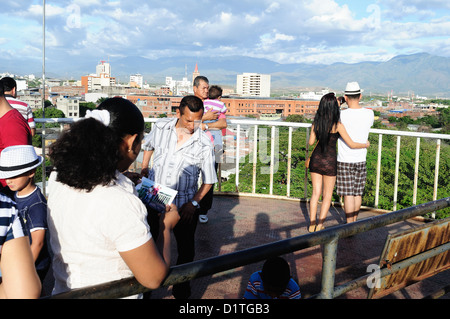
(285,31)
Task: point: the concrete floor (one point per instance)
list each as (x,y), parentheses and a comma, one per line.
(237,223)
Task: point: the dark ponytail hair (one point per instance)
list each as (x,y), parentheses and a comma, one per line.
(327,116)
(88,153)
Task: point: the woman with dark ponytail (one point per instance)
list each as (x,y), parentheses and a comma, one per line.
(98,226)
(326,129)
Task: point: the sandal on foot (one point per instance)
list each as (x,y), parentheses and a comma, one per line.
(320,227)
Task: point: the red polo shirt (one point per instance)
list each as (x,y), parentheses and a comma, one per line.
(14,130)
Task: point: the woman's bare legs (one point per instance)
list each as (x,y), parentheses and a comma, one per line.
(327,193)
(316,180)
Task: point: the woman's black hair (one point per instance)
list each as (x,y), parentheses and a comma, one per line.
(327,116)
(87,154)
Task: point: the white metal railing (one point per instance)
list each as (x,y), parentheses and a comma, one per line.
(250,129)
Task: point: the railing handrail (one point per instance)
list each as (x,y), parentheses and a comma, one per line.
(274,123)
(329,236)
(254,124)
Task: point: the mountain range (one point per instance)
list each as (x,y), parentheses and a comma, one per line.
(421,73)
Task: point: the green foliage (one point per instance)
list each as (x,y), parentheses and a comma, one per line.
(280,167)
(442,120)
(37,140)
(50,112)
(85,106)
(38,174)
(426,172)
(296,118)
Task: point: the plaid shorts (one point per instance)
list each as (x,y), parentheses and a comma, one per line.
(351,178)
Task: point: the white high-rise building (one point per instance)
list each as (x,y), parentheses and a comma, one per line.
(102,78)
(103,69)
(253,84)
(136,80)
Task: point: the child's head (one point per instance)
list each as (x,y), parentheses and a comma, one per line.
(275,276)
(215,92)
(18,165)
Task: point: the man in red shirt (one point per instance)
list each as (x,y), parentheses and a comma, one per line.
(14,130)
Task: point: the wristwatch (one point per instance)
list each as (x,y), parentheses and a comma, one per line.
(206,127)
(196,205)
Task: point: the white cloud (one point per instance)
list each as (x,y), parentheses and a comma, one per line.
(274,6)
(316,31)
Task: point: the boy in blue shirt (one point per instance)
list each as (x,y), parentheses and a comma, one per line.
(18,166)
(272,282)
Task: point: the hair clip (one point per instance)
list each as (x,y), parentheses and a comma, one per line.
(102,116)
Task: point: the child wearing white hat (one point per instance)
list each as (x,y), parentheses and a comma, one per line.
(18,166)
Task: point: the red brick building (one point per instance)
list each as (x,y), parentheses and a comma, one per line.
(154,105)
(264,106)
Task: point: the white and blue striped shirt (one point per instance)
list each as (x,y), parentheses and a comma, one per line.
(10,224)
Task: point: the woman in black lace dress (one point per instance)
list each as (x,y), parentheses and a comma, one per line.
(326,129)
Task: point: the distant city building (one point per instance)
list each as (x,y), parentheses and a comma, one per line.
(70,106)
(179,88)
(21,84)
(94,97)
(253,85)
(270,107)
(154,106)
(314,96)
(103,69)
(136,80)
(102,78)
(31,97)
(67,90)
(53,82)
(195,73)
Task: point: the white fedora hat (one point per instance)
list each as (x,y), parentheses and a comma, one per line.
(352,88)
(18,159)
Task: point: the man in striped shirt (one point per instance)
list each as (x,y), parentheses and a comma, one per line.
(181,151)
(23,108)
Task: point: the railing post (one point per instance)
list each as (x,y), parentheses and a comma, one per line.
(272,159)
(416,171)
(238,151)
(255,157)
(397,167)
(306,169)
(377,187)
(329,268)
(436,173)
(289,162)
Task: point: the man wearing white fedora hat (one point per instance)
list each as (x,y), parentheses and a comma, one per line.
(17,167)
(351,175)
